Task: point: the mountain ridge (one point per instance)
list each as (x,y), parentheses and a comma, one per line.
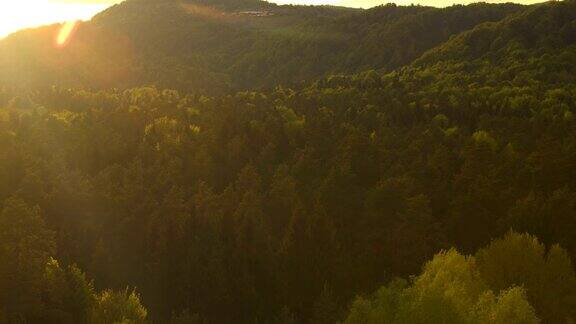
(202,49)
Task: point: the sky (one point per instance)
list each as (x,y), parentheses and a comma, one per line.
(19,14)
(373,3)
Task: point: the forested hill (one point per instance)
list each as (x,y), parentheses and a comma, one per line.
(216,46)
(308,204)
(535,46)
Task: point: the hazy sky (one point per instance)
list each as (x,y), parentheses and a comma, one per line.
(372,3)
(354,3)
(18,14)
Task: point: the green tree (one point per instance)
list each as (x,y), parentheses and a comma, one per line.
(511,306)
(68,295)
(384,307)
(25,247)
(449,290)
(548,276)
(122,307)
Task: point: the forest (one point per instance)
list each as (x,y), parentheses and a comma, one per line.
(255,170)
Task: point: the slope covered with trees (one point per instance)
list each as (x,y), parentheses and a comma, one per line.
(218,46)
(284,205)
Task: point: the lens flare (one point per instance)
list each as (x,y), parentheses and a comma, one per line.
(65,33)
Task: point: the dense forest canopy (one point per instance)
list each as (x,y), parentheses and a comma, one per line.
(310,165)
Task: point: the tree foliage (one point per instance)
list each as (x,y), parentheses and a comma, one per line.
(282,204)
(452,288)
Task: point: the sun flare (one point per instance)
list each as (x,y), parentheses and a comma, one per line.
(65,33)
(20,14)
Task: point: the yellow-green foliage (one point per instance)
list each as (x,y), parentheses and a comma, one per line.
(506,282)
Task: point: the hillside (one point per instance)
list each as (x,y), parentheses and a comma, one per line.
(211,47)
(442,191)
(536,45)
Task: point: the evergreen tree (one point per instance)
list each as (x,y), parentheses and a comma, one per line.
(25,247)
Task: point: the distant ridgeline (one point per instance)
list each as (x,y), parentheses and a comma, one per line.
(443,153)
(215,46)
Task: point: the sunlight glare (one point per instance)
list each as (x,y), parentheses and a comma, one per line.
(20,14)
(65,33)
